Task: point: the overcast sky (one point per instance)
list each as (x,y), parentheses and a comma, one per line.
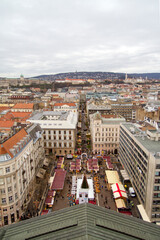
(52,36)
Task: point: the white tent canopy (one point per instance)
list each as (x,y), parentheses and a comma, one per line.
(118,191)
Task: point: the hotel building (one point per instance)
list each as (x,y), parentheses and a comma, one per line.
(139,153)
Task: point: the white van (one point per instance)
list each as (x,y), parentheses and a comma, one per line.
(132,192)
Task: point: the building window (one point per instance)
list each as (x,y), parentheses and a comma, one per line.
(59,132)
(7,169)
(3,200)
(8,180)
(2,190)
(9,189)
(10,199)
(157,173)
(64,132)
(13,167)
(16,195)
(69,132)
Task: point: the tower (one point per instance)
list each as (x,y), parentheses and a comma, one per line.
(126,77)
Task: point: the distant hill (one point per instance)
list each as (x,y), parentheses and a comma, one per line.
(97,75)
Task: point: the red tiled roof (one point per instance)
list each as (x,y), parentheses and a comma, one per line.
(69,104)
(57,99)
(6,124)
(14,140)
(4,108)
(7,116)
(21,114)
(59,178)
(69,79)
(23,106)
(2,150)
(16,116)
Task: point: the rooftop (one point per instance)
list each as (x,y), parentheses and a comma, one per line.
(83,221)
(23,106)
(151,145)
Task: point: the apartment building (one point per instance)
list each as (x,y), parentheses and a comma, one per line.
(20,159)
(124,109)
(139,153)
(105,132)
(59,131)
(22,107)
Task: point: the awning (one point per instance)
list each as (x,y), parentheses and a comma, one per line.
(59,178)
(49,200)
(124,175)
(69,156)
(120,203)
(41,173)
(112,176)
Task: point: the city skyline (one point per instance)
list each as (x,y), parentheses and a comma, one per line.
(49,37)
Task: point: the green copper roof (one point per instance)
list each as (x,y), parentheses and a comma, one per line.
(84,221)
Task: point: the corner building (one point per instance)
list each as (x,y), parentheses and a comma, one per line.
(20,157)
(139,153)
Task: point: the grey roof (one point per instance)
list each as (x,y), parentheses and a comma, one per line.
(150,145)
(41,115)
(34,131)
(84,221)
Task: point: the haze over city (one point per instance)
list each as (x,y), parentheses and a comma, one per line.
(46,37)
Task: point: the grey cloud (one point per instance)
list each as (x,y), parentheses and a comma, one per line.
(50,36)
